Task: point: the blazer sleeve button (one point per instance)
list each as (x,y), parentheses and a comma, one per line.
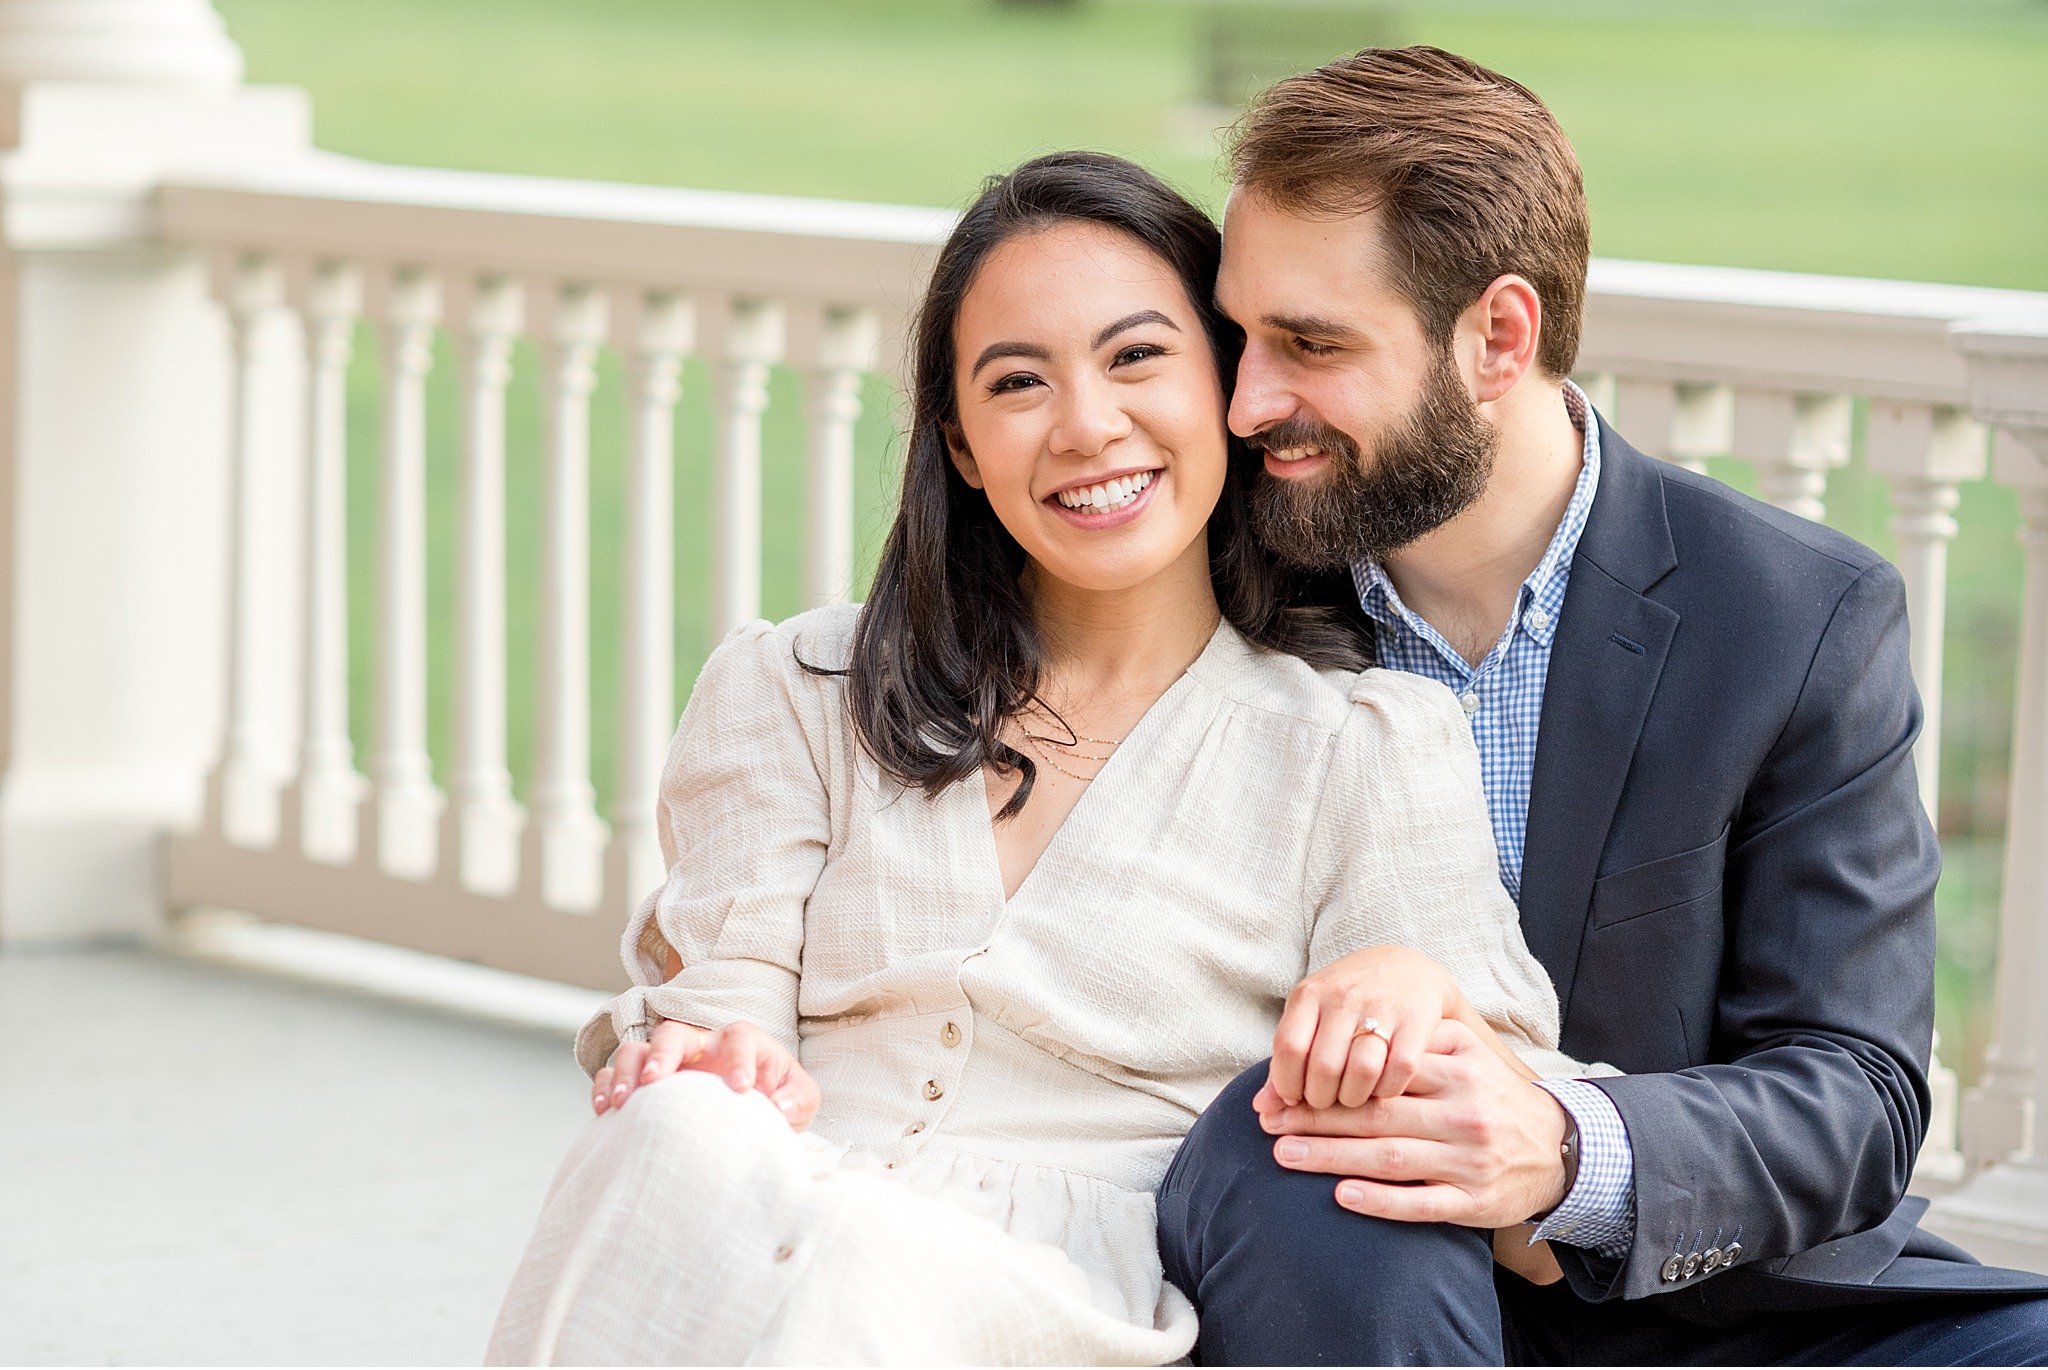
(1673,1268)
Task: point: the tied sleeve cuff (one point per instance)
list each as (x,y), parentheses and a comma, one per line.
(1598,1214)
(626,1018)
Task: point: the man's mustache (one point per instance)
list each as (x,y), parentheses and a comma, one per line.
(1300,432)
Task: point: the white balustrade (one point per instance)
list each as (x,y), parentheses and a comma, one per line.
(845,353)
(479,838)
(1795,441)
(241,793)
(753,342)
(1926,452)
(664,330)
(565,837)
(2002,1213)
(398,823)
(320,806)
(1702,424)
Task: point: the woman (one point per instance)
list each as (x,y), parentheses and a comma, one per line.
(979,894)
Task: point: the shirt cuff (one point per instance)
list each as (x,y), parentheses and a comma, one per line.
(1599,1214)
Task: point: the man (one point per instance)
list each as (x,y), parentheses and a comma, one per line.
(1695,722)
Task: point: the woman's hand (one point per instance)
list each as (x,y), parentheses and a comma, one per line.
(1320,1056)
(745,1056)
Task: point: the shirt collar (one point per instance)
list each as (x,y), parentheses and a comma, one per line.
(1545,586)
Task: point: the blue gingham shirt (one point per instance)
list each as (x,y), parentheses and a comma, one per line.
(1503,698)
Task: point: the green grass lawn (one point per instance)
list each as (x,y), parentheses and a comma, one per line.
(1899,138)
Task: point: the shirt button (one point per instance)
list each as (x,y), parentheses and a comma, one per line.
(1470,701)
(913,1129)
(950,1034)
(784,1252)
(934,1090)
(1538,620)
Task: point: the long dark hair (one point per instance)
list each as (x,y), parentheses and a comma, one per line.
(946,648)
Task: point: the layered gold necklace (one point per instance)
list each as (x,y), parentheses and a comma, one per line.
(1051,749)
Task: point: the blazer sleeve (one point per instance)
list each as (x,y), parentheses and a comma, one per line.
(1403,854)
(1807,1126)
(744,821)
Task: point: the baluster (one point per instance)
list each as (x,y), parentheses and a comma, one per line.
(320,808)
(565,837)
(1644,411)
(846,351)
(1702,425)
(753,342)
(1795,440)
(242,789)
(398,825)
(1925,453)
(480,836)
(666,329)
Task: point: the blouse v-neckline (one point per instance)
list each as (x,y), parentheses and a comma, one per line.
(992,861)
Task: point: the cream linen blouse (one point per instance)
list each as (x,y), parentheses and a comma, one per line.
(1038,1059)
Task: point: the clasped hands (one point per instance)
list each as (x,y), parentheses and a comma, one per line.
(1436,1121)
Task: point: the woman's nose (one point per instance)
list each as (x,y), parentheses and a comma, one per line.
(1089,421)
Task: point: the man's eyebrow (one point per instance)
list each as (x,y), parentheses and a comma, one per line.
(996,351)
(1132,321)
(1312,326)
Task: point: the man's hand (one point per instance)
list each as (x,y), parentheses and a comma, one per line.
(1471,1142)
(742,1053)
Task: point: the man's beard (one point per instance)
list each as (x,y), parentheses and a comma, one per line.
(1424,473)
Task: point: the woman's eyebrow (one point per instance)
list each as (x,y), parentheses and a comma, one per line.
(1132,321)
(997,351)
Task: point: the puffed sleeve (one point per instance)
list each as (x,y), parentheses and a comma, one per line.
(744,821)
(1403,854)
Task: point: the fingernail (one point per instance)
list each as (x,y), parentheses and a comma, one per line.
(786,1105)
(647,1075)
(1271,1122)
(1293,1149)
(1350,1193)
(737,1081)
(597,1100)
(618,1092)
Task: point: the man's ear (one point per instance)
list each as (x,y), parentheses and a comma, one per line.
(963,460)
(1504,324)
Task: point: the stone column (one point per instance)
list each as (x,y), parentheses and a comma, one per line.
(114,432)
(2001,1214)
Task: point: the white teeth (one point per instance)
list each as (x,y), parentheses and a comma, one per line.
(1109,494)
(1285,454)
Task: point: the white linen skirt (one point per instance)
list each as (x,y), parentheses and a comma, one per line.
(695,1227)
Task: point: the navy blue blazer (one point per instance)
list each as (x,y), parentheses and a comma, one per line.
(1730,879)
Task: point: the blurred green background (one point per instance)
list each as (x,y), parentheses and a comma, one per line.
(1893,138)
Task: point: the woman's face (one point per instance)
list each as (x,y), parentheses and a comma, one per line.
(1091,412)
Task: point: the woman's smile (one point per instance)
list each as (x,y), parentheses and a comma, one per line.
(1098,503)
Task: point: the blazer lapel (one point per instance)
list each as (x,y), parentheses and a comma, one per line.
(1605,662)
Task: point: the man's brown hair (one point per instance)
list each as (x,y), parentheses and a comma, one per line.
(1473,178)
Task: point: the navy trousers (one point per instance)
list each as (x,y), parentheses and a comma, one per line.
(1283,1276)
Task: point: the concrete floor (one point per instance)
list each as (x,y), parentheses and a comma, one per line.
(201,1164)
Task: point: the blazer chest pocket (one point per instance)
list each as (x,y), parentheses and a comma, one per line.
(1655,886)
